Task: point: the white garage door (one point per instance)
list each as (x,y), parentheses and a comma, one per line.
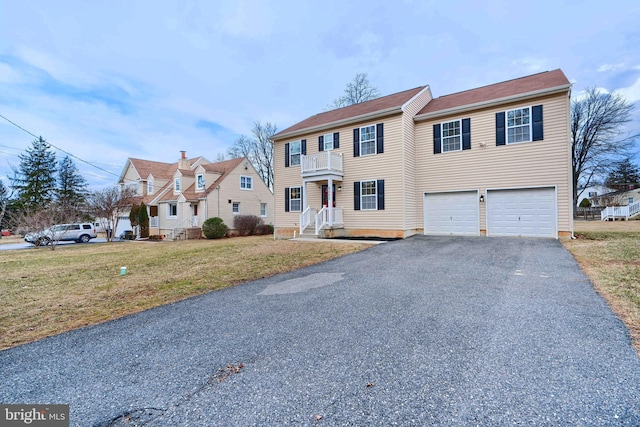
(451,213)
(525,212)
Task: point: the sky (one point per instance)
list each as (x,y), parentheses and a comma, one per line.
(108,80)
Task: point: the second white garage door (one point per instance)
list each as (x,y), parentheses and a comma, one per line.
(451,213)
(524,212)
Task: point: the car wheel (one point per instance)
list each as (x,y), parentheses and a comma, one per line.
(46,241)
(84,238)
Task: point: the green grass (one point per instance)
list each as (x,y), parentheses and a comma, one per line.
(47,292)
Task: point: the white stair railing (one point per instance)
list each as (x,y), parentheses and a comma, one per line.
(305,219)
(321,219)
(621,212)
(634,208)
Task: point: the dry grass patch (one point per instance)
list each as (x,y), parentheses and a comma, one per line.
(47,292)
(610,256)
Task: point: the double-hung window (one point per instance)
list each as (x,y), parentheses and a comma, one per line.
(295,199)
(328,141)
(367,140)
(519,125)
(150,187)
(200,182)
(246,182)
(368,195)
(172,211)
(295,149)
(176,184)
(263,210)
(451,136)
(235,207)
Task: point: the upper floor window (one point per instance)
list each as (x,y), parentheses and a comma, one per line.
(200,182)
(150,187)
(451,136)
(132,186)
(593,194)
(176,184)
(246,182)
(367,140)
(295,149)
(328,141)
(519,125)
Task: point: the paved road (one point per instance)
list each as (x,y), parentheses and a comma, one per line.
(425,331)
(25,245)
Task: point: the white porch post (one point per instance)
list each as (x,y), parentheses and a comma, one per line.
(304,196)
(330,200)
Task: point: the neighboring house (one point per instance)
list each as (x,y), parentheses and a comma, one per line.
(593,193)
(620,204)
(495,160)
(181,196)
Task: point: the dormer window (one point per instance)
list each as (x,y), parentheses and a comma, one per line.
(176,184)
(200,183)
(150,186)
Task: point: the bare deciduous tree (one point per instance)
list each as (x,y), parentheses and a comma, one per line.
(258,149)
(39,222)
(109,205)
(598,139)
(358,90)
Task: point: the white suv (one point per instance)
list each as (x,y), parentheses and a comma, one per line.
(80,233)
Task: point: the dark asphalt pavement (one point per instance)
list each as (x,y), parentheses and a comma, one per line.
(423,331)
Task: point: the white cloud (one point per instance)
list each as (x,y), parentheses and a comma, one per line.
(631,93)
(604,68)
(9,75)
(531,65)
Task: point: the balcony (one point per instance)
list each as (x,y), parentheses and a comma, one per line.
(321,165)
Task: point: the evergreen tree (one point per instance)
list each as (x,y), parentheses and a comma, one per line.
(35,180)
(72,187)
(623,176)
(143,220)
(4,199)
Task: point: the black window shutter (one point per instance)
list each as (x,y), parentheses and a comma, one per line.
(437,145)
(304,146)
(336,140)
(356,196)
(380,138)
(356,142)
(321,143)
(466,134)
(380,192)
(286,199)
(286,155)
(500,135)
(536,112)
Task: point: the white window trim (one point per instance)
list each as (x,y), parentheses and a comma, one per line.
(375,139)
(324,140)
(290,199)
(177,184)
(506,125)
(169,210)
(198,187)
(442,137)
(249,180)
(233,204)
(150,187)
(299,153)
(375,183)
(265,214)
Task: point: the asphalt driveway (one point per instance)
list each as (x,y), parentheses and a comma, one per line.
(424,331)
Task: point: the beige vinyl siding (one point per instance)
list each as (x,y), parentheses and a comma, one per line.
(249,199)
(522,165)
(387,166)
(411,217)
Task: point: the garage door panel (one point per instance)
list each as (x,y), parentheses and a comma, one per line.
(524,212)
(451,213)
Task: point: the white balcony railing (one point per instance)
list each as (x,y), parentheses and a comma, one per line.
(620,212)
(325,161)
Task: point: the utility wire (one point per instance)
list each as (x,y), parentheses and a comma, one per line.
(60,149)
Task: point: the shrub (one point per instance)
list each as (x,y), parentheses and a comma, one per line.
(267,229)
(585,203)
(247,224)
(214,228)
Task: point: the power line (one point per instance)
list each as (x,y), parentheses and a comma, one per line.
(60,149)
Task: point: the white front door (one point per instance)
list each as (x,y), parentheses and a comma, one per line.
(455,213)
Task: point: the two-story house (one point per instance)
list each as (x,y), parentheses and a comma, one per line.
(494,160)
(180,196)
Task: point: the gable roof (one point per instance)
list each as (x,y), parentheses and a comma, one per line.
(354,112)
(157,169)
(536,84)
